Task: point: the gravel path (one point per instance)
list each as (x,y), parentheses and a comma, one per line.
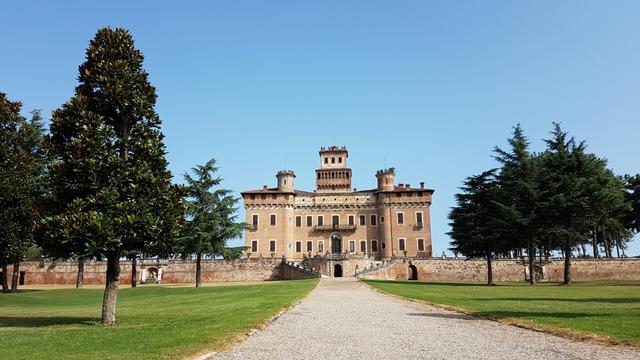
(343,319)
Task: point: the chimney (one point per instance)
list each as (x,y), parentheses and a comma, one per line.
(421,184)
(264,187)
(407,186)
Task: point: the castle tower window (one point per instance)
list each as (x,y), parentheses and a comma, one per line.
(363,220)
(400,218)
(418,218)
(340,160)
(374,245)
(272,219)
(326,160)
(298,246)
(320,246)
(263,196)
(274,196)
(420,244)
(401,244)
(352,246)
(254,220)
(333,160)
(363,245)
(272,246)
(309,220)
(374,220)
(309,246)
(254,246)
(298,221)
(352,220)
(335,220)
(320,221)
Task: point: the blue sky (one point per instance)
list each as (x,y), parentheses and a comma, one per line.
(427,87)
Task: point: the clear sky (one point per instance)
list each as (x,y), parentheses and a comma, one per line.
(427,87)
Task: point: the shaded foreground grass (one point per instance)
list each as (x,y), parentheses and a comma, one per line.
(153,321)
(609,309)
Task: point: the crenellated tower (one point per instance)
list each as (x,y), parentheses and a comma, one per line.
(333,174)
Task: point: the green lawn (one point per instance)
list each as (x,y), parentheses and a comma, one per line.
(153,321)
(609,309)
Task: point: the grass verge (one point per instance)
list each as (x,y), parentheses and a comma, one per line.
(154,322)
(604,311)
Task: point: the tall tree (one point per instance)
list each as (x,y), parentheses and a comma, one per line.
(518,178)
(477,225)
(569,190)
(21,171)
(210,216)
(132,206)
(632,197)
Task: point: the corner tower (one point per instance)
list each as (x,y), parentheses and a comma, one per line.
(333,174)
(285,180)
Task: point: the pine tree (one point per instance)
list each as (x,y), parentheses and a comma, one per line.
(210,215)
(518,178)
(477,221)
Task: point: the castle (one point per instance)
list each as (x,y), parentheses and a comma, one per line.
(335,222)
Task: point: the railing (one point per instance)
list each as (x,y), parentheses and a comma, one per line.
(418,226)
(335,227)
(336,256)
(253,227)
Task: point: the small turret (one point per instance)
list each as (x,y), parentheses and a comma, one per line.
(285,180)
(385,179)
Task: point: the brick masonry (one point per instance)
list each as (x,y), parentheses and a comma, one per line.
(506,270)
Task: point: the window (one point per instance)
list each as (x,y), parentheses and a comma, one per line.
(381,219)
(254,246)
(374,245)
(335,220)
(418,218)
(272,219)
(400,218)
(374,220)
(363,245)
(309,220)
(326,160)
(420,244)
(333,160)
(298,221)
(272,246)
(383,245)
(263,196)
(298,246)
(363,220)
(252,196)
(320,246)
(320,220)
(401,246)
(274,196)
(398,194)
(254,220)
(352,220)
(309,246)
(352,246)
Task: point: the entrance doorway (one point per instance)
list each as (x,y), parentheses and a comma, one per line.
(413,272)
(336,244)
(337,270)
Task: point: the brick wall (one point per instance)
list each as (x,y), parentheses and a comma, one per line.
(507,270)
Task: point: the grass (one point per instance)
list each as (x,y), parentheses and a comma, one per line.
(600,310)
(154,322)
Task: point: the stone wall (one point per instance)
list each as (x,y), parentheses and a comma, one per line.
(64,273)
(506,270)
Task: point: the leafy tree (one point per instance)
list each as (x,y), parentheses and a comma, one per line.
(477,221)
(518,178)
(21,169)
(130,204)
(210,216)
(632,197)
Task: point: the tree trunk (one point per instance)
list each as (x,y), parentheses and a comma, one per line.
(80,277)
(111,289)
(567,265)
(618,247)
(584,250)
(489,270)
(198,269)
(134,275)
(607,245)
(15,277)
(5,283)
(595,243)
(532,258)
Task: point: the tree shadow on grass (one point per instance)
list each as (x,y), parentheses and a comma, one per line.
(505,314)
(444,315)
(578,300)
(427,283)
(19,321)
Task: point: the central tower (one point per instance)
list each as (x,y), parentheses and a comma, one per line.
(333,174)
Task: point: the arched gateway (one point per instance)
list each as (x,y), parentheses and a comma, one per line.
(413,272)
